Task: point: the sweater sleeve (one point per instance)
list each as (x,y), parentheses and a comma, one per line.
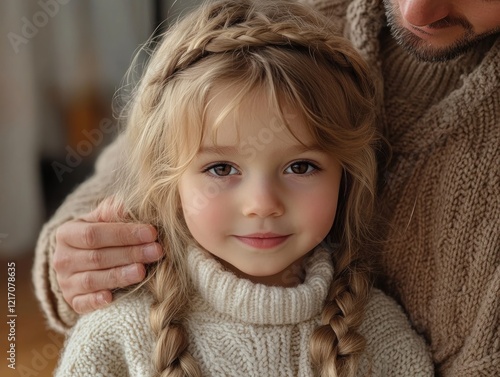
(393,347)
(59,314)
(112,342)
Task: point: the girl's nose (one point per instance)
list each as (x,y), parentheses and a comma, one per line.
(262,200)
(424,12)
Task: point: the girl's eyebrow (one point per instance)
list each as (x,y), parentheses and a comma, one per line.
(231,149)
(301,148)
(220,149)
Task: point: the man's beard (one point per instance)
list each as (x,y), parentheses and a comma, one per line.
(421,49)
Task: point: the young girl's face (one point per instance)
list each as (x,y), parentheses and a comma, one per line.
(255,197)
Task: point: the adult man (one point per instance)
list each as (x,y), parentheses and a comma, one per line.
(439,73)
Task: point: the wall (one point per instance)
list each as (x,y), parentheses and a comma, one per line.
(61,62)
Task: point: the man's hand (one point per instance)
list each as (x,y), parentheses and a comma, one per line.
(94,254)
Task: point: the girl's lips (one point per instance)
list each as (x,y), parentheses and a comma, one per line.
(263,241)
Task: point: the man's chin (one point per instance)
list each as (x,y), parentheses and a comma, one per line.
(427,53)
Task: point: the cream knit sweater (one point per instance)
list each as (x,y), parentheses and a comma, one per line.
(441,193)
(237,328)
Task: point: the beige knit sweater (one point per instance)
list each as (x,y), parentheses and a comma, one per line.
(238,328)
(441,193)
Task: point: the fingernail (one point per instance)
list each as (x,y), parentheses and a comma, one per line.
(151,252)
(101,299)
(130,273)
(146,235)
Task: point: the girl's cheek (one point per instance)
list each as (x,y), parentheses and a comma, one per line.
(207,212)
(320,210)
(217,211)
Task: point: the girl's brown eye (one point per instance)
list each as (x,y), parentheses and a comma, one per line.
(222,170)
(300,167)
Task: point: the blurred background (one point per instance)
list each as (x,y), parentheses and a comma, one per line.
(61,62)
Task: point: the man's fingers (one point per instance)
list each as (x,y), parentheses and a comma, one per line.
(88,290)
(84,235)
(114,257)
(95,231)
(94,281)
(87,303)
(74,261)
(94,254)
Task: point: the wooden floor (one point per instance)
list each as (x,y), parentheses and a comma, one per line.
(36,347)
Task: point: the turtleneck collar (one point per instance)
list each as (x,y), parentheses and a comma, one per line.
(257,303)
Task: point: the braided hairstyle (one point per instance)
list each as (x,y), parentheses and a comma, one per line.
(296,56)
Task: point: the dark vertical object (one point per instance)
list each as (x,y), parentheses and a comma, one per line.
(158,17)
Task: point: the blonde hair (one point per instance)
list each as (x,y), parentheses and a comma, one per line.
(297,58)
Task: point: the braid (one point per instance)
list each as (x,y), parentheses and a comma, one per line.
(336,345)
(231,31)
(245,38)
(170,357)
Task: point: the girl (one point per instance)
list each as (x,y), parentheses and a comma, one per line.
(250,144)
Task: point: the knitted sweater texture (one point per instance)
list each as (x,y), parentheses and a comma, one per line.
(440,193)
(238,328)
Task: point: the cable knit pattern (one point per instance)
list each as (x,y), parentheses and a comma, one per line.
(237,328)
